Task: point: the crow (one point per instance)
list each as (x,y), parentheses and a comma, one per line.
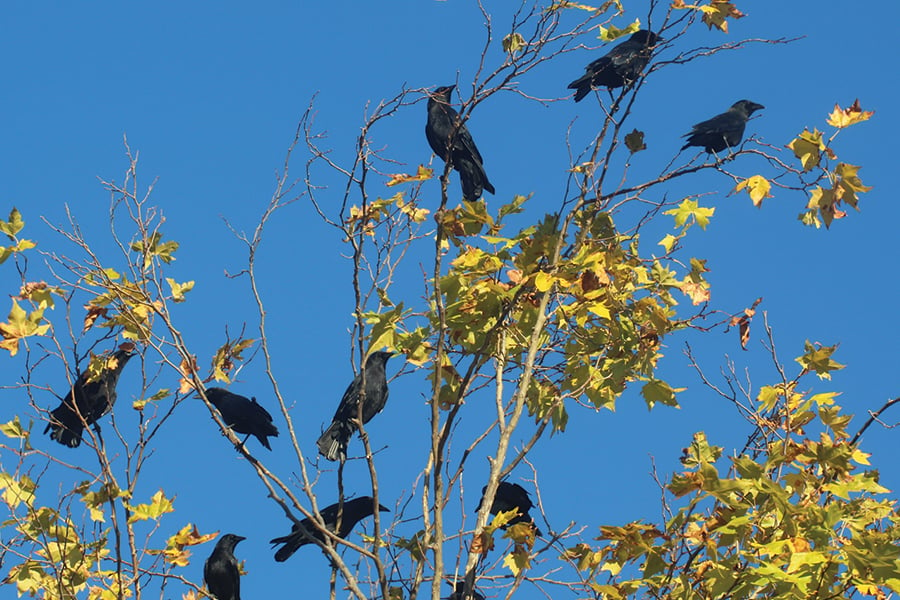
(305,532)
(92,396)
(243,415)
(458,590)
(620,66)
(221,573)
(511,496)
(445,131)
(333,443)
(722,131)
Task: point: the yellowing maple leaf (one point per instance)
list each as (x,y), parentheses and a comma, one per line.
(21,325)
(844,117)
(608,34)
(423,173)
(758,187)
(717,12)
(691,208)
(158,506)
(808,147)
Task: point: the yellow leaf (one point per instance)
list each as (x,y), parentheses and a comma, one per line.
(422,174)
(567,4)
(716,13)
(612,32)
(179,289)
(669,241)
(758,187)
(21,325)
(13,429)
(158,506)
(516,561)
(543,281)
(808,147)
(691,208)
(844,117)
(599,309)
(513,42)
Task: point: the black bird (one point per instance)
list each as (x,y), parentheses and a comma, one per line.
(305,532)
(444,131)
(221,573)
(620,66)
(511,496)
(243,415)
(722,131)
(87,401)
(458,592)
(333,443)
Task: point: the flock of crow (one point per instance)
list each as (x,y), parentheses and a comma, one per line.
(622,66)
(91,397)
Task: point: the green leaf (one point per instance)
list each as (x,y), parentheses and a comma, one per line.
(13,225)
(634,141)
(658,391)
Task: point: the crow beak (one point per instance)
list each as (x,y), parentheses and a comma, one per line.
(383,509)
(239,538)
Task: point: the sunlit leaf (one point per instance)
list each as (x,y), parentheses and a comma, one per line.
(157,507)
(758,187)
(423,173)
(808,147)
(513,42)
(608,34)
(844,117)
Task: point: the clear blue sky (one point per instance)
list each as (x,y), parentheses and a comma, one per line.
(209,94)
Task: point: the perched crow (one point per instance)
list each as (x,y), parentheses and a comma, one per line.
(511,496)
(333,443)
(221,573)
(88,400)
(303,533)
(620,66)
(243,415)
(458,592)
(722,131)
(444,130)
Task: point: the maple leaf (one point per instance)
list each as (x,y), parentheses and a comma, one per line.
(758,187)
(608,34)
(808,147)
(691,208)
(634,141)
(21,325)
(423,173)
(845,117)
